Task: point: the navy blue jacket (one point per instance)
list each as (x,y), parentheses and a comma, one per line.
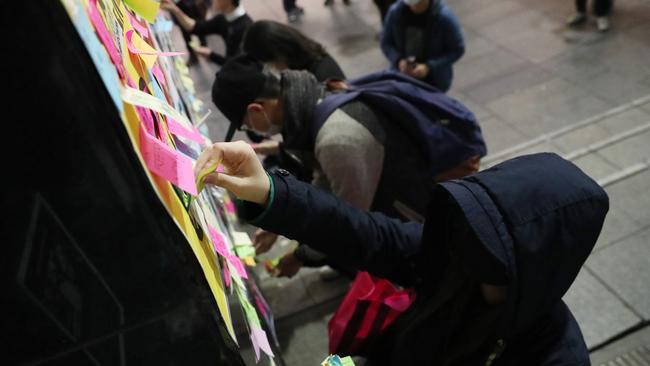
(445,43)
(538,215)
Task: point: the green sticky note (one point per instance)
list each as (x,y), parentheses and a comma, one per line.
(245,251)
(347,361)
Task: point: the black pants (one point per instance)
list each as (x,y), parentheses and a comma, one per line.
(288,5)
(601,7)
(383,6)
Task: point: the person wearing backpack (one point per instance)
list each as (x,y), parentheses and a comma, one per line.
(423,39)
(369,152)
(489,267)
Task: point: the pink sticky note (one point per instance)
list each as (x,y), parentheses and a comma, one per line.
(134,50)
(230,205)
(178,130)
(226,275)
(239,266)
(158,74)
(260,341)
(166,162)
(260,306)
(105,36)
(144,32)
(219,242)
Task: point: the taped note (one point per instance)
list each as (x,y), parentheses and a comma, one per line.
(139,46)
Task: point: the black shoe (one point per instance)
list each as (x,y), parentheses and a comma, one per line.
(329,2)
(294,15)
(346,2)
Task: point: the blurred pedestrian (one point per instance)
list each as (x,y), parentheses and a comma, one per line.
(423,39)
(602,9)
(293,11)
(230,23)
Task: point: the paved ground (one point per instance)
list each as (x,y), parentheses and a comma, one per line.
(535,86)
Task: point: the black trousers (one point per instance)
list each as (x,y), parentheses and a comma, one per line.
(601,7)
(288,5)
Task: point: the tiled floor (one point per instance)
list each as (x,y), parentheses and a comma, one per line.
(524,75)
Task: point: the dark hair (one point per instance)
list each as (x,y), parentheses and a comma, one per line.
(272,87)
(269,41)
(235,3)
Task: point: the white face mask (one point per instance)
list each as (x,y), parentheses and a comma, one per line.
(411,2)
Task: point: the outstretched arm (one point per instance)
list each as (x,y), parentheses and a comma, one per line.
(279,203)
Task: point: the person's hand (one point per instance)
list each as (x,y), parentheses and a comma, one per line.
(202,51)
(169,5)
(263,241)
(267,147)
(243,174)
(420,71)
(288,267)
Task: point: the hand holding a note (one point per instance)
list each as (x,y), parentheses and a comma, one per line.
(243,173)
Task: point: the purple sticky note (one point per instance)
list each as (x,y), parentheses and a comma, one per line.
(260,341)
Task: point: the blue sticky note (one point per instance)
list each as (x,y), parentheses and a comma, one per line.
(106,69)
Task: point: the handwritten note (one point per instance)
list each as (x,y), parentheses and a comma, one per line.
(200,184)
(145,8)
(99,55)
(139,46)
(166,162)
(105,37)
(139,98)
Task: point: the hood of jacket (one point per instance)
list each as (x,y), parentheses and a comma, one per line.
(537,217)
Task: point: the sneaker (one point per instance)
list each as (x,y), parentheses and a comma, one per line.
(294,15)
(603,24)
(576,19)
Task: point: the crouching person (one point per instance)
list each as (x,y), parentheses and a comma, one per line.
(490,265)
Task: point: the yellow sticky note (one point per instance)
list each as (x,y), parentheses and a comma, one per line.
(145,8)
(207,170)
(148,56)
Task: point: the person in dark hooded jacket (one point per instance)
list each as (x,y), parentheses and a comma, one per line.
(498,251)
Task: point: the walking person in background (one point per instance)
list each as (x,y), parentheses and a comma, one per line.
(230,23)
(602,9)
(422,39)
(294,12)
